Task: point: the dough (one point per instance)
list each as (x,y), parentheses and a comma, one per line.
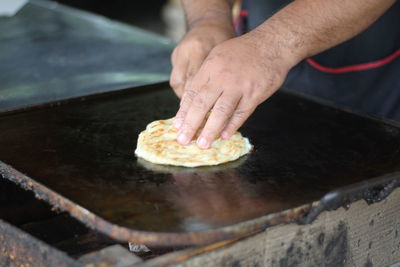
(158,144)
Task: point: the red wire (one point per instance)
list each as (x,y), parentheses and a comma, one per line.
(357,67)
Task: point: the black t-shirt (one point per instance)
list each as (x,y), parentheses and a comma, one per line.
(374,89)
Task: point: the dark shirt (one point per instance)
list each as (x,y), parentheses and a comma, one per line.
(375,90)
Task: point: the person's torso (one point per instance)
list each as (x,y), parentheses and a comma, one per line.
(361,73)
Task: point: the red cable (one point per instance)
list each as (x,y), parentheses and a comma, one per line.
(357,67)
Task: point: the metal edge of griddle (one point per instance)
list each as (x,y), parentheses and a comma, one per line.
(156,239)
(84,98)
(20,248)
(371,190)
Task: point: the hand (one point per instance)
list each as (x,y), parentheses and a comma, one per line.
(190,53)
(235,78)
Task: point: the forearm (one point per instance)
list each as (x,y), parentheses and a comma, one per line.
(210,11)
(307,27)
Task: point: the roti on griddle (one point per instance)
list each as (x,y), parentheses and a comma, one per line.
(157,144)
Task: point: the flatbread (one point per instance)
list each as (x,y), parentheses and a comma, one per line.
(158,144)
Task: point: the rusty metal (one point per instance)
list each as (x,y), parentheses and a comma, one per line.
(146,237)
(115,255)
(372,191)
(79,157)
(20,249)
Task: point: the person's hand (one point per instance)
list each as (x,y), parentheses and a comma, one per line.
(234,79)
(190,53)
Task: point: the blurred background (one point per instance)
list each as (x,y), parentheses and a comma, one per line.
(164,17)
(50,52)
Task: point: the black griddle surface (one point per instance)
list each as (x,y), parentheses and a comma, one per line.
(85,152)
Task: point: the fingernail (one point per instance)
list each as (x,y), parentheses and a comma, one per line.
(225,135)
(183,139)
(178,123)
(202,143)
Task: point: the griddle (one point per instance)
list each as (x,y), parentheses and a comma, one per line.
(309,157)
(50,52)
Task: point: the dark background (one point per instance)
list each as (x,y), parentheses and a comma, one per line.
(143,14)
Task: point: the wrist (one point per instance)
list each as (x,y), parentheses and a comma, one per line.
(215,12)
(225,24)
(213,29)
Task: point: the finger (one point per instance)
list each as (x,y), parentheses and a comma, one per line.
(194,65)
(178,75)
(177,79)
(196,114)
(189,93)
(187,97)
(184,69)
(220,115)
(243,111)
(178,89)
